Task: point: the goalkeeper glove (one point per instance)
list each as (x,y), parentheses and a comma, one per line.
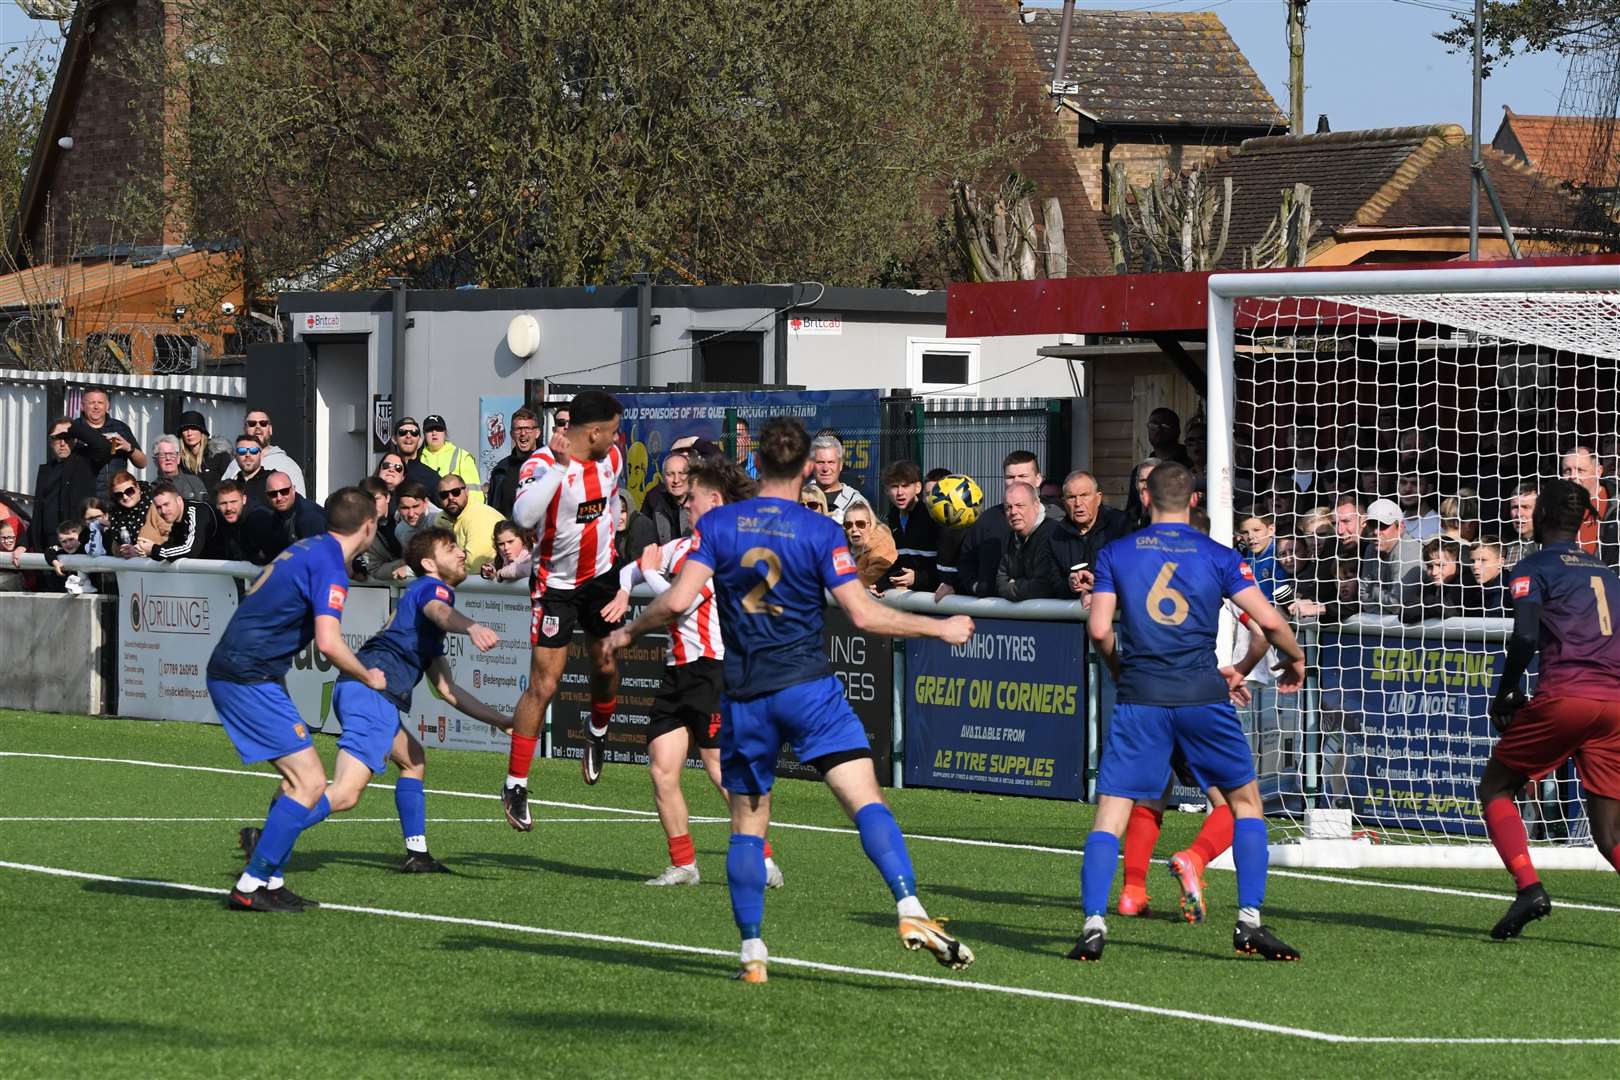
(1505,707)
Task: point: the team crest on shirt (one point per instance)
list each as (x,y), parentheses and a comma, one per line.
(590,510)
(1246,570)
(1521,588)
(298,730)
(843,562)
(336,595)
(549,626)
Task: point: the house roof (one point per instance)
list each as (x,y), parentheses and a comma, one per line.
(1582,149)
(1155,67)
(104,284)
(1386,178)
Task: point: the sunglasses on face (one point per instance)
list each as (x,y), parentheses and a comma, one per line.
(407,433)
(452,492)
(243,451)
(278,492)
(122,493)
(61,436)
(257,423)
(390,466)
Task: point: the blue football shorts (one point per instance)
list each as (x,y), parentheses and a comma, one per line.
(813,717)
(260,719)
(1141,738)
(369,721)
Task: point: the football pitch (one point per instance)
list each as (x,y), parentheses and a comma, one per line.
(544,954)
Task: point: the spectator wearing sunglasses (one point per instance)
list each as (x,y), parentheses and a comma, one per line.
(447,459)
(297,518)
(131,506)
(272,458)
(473,523)
(408,444)
(250,471)
(67,478)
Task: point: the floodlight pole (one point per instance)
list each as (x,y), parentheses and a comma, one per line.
(1479,90)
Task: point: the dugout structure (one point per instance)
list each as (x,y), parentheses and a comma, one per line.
(1446,388)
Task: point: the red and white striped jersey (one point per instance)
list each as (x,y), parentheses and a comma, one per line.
(574,512)
(695,635)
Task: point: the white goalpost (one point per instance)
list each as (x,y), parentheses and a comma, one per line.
(1452,393)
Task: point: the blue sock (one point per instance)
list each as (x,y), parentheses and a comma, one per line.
(411,802)
(1250,853)
(318,813)
(1097,872)
(281,828)
(883,844)
(745,875)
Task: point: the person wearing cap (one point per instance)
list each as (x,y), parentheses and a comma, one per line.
(1392,577)
(199,456)
(447,459)
(408,444)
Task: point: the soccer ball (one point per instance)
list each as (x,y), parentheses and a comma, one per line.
(955,502)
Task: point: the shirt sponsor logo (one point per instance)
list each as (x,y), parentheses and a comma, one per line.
(336,597)
(441,593)
(1521,588)
(843,562)
(1246,570)
(590,510)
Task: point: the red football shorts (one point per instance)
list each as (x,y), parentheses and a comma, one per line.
(1553,728)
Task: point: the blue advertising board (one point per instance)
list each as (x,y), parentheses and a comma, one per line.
(1412,716)
(1005,713)
(653,421)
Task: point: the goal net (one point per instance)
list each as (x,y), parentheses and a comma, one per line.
(1438,399)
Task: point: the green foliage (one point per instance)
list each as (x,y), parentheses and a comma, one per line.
(26,73)
(567,142)
(1513,27)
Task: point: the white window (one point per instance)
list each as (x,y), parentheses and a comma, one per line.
(943,364)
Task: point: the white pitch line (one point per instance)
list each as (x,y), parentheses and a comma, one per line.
(872,973)
(963,841)
(338,820)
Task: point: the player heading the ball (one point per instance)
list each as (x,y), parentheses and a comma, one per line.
(1167,583)
(1566,606)
(770,560)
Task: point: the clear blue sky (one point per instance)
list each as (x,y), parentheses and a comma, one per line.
(1371,63)
(1368,63)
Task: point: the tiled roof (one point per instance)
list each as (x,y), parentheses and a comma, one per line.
(1162,67)
(1583,149)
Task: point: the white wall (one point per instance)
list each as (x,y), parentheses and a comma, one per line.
(872,352)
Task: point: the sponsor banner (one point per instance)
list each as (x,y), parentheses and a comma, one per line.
(653,421)
(312,677)
(497,677)
(641,673)
(495,429)
(170,625)
(824,323)
(864,663)
(1406,724)
(1003,713)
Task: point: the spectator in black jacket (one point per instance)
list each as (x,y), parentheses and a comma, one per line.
(200,456)
(408,444)
(193,526)
(978,559)
(250,471)
(385,555)
(503,478)
(297,518)
(664,504)
(1087,527)
(67,478)
(916,533)
(1028,568)
(247,532)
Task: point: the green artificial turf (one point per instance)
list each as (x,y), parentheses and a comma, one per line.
(107,975)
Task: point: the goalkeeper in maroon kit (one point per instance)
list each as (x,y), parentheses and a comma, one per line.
(1566,604)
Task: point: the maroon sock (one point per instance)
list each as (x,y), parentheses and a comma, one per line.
(1141,834)
(601,713)
(1506,829)
(1614,857)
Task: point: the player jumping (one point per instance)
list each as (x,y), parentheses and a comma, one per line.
(1566,605)
(770,559)
(568,492)
(687,709)
(1167,583)
(297,598)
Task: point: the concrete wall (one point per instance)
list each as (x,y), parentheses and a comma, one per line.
(57,665)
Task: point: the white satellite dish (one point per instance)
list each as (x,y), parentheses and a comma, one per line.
(523,336)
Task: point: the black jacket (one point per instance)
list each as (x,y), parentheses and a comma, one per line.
(980,555)
(667,517)
(503,481)
(254,537)
(1070,546)
(303,519)
(192,537)
(1028,568)
(60,486)
(916,542)
(632,540)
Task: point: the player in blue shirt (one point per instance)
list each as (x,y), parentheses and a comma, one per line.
(1566,606)
(771,560)
(410,645)
(1167,584)
(298,598)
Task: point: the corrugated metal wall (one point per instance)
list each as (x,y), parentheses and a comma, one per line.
(135,399)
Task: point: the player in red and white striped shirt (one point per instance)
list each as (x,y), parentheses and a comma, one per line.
(568,493)
(687,709)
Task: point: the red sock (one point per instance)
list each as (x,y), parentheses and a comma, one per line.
(1614,857)
(601,713)
(1506,829)
(1141,833)
(680,850)
(521,755)
(1215,837)
(768,849)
